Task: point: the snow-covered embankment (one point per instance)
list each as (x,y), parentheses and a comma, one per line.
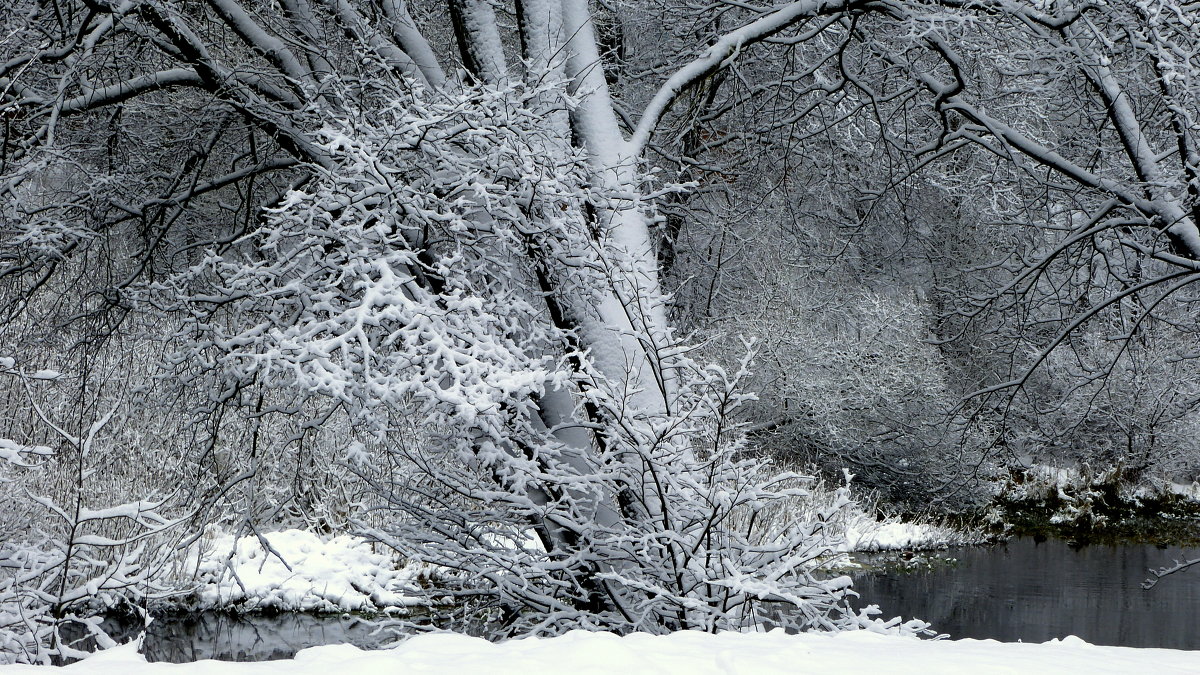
(690,653)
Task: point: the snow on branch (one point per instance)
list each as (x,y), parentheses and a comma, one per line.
(726,49)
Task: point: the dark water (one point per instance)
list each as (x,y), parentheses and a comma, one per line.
(181,638)
(1033,592)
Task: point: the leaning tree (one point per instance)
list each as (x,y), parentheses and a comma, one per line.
(445,253)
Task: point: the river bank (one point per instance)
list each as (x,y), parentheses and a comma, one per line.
(695,653)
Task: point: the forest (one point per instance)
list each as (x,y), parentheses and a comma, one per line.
(611,313)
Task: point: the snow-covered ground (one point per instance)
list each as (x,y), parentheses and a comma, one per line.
(687,653)
(302,572)
(865,534)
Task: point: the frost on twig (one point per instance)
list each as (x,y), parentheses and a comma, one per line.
(1176,566)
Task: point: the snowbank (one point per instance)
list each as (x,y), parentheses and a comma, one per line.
(866,535)
(691,653)
(304,572)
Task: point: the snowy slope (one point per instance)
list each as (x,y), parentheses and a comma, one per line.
(687,653)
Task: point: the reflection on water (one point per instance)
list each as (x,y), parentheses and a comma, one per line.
(180,638)
(1031,591)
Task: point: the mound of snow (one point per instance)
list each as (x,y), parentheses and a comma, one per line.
(864,534)
(893,536)
(303,571)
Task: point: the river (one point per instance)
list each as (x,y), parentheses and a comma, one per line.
(1033,591)
(1021,590)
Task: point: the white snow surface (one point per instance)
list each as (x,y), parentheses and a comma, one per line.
(310,573)
(689,653)
(863,533)
(868,535)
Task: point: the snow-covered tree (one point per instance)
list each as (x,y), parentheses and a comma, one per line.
(456,247)
(1082,118)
